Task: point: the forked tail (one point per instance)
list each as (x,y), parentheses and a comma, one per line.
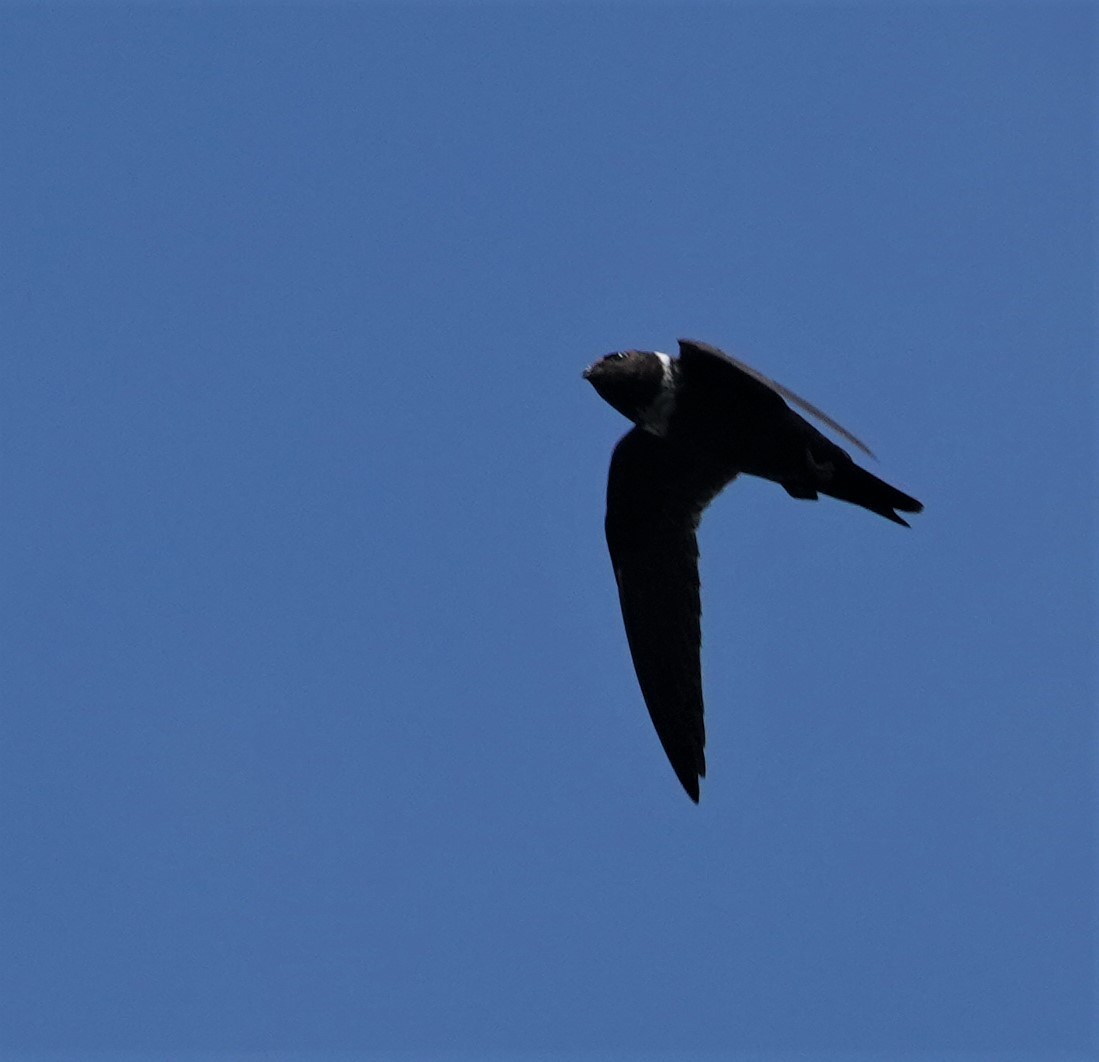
(850,483)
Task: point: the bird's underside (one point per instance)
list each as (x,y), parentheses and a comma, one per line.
(702,419)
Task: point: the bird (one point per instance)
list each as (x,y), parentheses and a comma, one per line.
(700,420)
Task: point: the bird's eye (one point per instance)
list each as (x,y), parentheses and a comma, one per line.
(618,355)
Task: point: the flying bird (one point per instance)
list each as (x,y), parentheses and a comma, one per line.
(700,420)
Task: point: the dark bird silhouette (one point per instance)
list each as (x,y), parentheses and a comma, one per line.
(701,420)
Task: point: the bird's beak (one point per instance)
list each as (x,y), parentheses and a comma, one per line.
(586,373)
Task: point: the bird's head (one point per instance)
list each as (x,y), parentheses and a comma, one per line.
(630,380)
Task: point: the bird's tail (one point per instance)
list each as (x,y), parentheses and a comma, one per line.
(850,483)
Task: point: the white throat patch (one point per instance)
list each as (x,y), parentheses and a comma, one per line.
(655,418)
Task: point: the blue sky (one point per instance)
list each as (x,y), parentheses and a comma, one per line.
(320,729)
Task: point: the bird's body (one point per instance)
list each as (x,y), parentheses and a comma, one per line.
(701,420)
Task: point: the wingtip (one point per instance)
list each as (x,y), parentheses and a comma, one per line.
(690,772)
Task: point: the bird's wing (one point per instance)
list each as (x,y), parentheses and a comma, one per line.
(691,350)
(653,508)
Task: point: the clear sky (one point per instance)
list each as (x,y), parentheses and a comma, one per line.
(320,733)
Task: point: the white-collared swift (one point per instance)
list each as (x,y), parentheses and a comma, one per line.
(701,420)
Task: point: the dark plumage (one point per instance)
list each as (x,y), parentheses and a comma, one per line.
(701,420)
